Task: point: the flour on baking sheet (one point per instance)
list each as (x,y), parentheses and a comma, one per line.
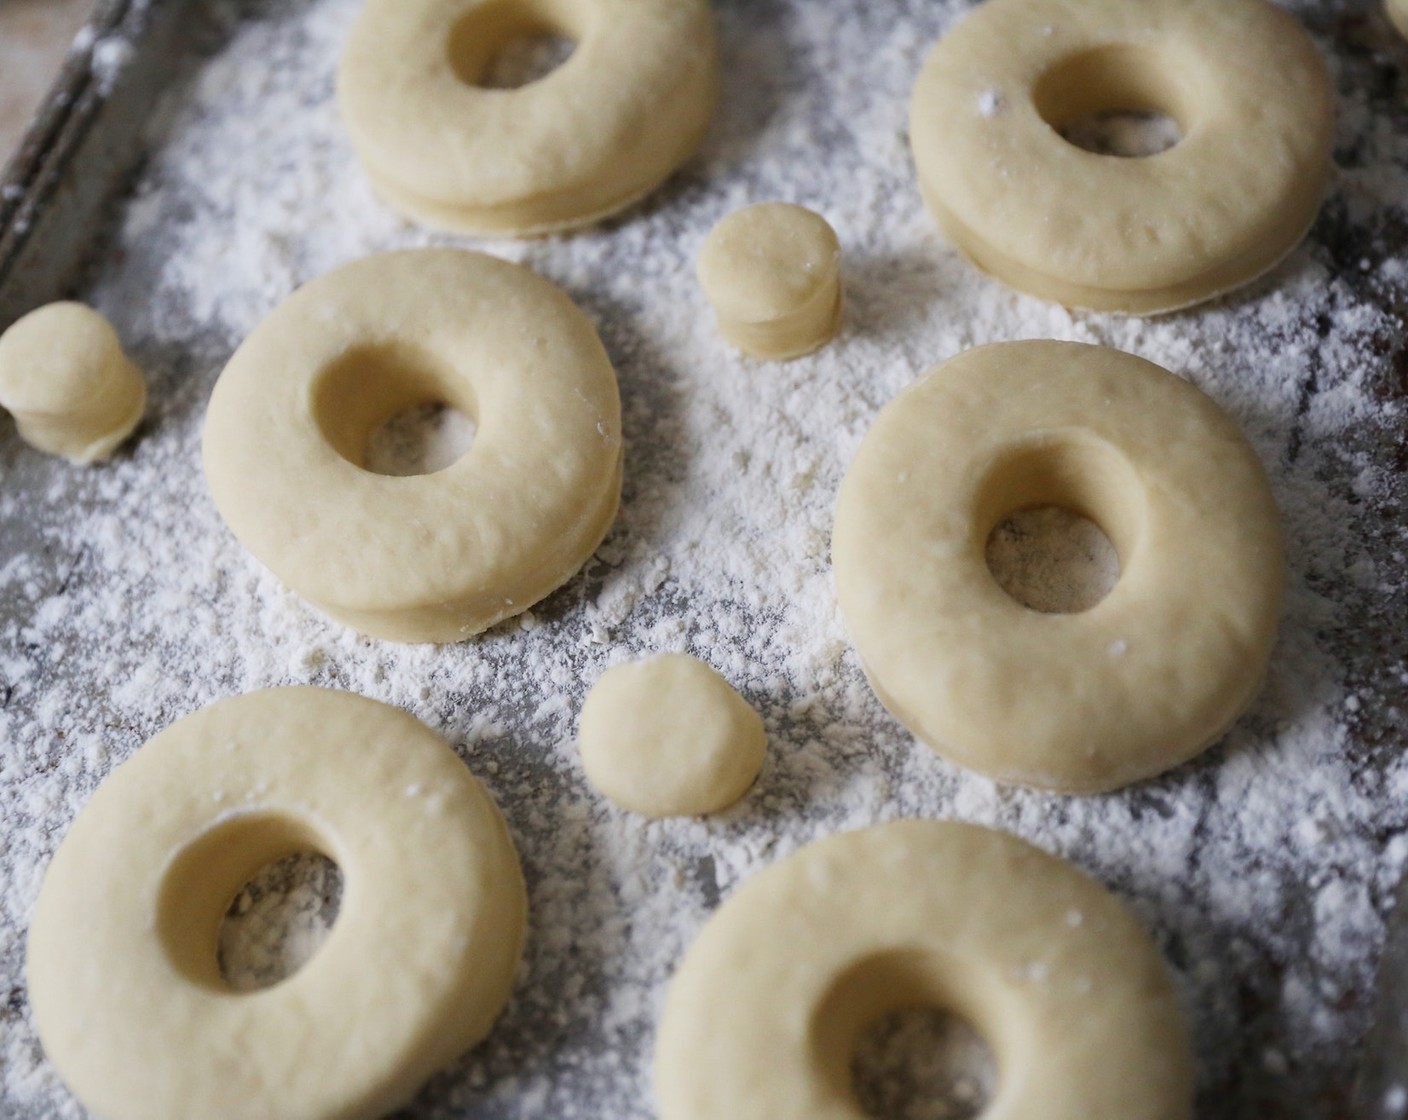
(1264,867)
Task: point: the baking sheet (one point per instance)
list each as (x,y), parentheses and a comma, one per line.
(80,149)
(1277,1008)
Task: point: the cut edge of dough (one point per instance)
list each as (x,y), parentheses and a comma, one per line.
(1252,265)
(443,623)
(757,339)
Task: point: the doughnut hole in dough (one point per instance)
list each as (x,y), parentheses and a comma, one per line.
(279,920)
(772,272)
(1253,103)
(66,381)
(669,737)
(764,1014)
(922,1064)
(123,962)
(1087,700)
(1052,560)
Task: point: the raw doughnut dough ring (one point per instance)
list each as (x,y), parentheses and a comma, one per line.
(772,272)
(126,993)
(65,379)
(669,737)
(1148,677)
(604,129)
(426,558)
(1252,97)
(763,1016)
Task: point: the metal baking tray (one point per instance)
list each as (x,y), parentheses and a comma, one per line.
(80,149)
(572,1044)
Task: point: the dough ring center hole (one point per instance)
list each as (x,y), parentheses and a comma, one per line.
(423,439)
(1056,517)
(394,409)
(248,904)
(892,1039)
(1114,100)
(508,44)
(1052,560)
(922,1064)
(279,920)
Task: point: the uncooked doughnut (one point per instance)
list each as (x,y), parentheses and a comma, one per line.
(669,737)
(772,272)
(1250,93)
(763,1016)
(124,984)
(1148,677)
(69,386)
(602,130)
(426,558)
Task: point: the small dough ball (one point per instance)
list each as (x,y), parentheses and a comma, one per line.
(773,274)
(66,380)
(71,389)
(1398,13)
(669,737)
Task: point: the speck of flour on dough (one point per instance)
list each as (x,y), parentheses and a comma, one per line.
(990,102)
(1264,868)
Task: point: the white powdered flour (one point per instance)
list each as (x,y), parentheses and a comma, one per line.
(1265,867)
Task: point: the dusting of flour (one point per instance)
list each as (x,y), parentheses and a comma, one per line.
(1264,867)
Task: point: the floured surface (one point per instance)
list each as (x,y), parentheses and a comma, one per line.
(1264,867)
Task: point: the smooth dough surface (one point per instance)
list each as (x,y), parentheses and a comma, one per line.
(69,386)
(1148,677)
(1247,86)
(426,558)
(772,272)
(605,128)
(669,737)
(125,989)
(763,1016)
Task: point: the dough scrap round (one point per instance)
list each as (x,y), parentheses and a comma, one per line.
(126,992)
(1148,677)
(669,737)
(1254,103)
(763,1016)
(426,558)
(604,129)
(65,379)
(772,272)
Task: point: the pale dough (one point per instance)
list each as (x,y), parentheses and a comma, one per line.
(1149,676)
(1060,979)
(605,128)
(669,737)
(124,985)
(772,272)
(425,558)
(1254,103)
(69,386)
(1398,13)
